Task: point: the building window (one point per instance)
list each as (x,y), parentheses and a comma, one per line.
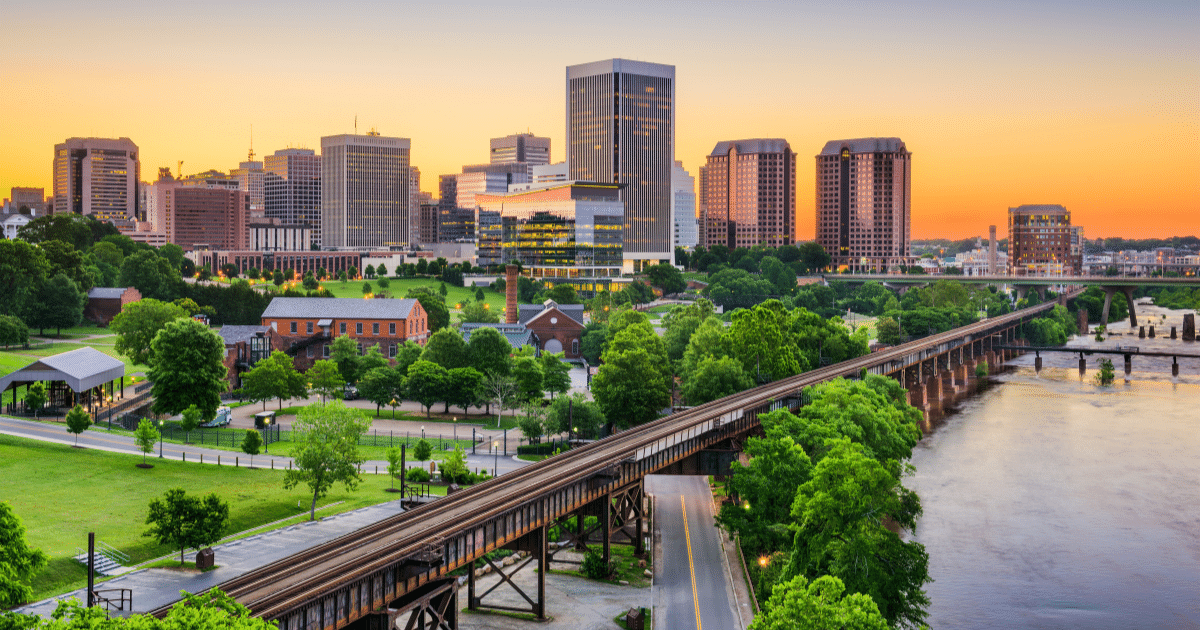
(342,328)
(293,327)
(325,350)
(392,329)
(358,328)
(308,327)
(360,349)
(375,328)
(392,351)
(575,347)
(309,352)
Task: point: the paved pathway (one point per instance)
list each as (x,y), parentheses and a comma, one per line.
(153,588)
(692,587)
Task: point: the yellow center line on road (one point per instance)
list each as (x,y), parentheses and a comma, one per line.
(687,534)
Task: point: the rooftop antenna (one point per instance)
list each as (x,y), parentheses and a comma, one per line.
(356,124)
(179,169)
(250,158)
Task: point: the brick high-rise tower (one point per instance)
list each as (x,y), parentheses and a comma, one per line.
(864,203)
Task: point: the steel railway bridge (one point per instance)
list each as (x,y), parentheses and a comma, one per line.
(399,569)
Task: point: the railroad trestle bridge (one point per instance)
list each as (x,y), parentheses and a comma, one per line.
(401,572)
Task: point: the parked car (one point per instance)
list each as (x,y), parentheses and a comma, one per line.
(224,415)
(350,392)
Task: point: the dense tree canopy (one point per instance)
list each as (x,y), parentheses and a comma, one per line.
(138,323)
(187,368)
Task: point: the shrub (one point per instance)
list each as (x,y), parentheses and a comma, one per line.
(981,370)
(423,450)
(595,567)
(417,475)
(544,448)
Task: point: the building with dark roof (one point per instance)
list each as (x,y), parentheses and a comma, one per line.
(245,346)
(103,303)
(1042,241)
(308,325)
(864,203)
(748,194)
(557,327)
(517,335)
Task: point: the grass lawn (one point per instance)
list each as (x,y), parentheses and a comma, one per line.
(625,567)
(400,287)
(81,330)
(61,493)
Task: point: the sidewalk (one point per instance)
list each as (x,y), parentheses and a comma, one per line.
(153,588)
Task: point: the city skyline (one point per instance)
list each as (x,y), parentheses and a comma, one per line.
(1046,103)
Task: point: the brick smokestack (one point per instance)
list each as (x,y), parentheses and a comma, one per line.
(511,311)
(992,258)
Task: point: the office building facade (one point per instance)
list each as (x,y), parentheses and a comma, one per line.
(250,177)
(864,203)
(683,207)
(621,129)
(97,177)
(525,148)
(1042,241)
(292,189)
(748,194)
(207,218)
(365,191)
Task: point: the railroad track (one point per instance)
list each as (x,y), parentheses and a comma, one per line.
(272,590)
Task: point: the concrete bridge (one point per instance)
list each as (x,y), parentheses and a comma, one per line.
(1023,284)
(404,567)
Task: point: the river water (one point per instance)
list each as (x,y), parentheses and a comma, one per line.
(1050,502)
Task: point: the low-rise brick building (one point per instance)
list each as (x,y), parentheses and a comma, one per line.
(244,347)
(308,326)
(104,303)
(557,327)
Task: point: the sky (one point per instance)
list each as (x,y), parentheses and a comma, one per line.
(1092,105)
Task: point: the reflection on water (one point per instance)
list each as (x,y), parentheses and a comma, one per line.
(1052,503)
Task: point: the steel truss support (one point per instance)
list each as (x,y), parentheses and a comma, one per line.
(433,606)
(535,544)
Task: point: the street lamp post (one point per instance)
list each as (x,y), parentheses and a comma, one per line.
(496,457)
(422,432)
(267,436)
(160,438)
(455,431)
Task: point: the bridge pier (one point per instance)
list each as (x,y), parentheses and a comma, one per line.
(1108,293)
(1128,364)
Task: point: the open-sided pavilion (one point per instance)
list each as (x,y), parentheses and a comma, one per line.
(85,376)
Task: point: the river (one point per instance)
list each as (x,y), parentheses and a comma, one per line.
(1050,502)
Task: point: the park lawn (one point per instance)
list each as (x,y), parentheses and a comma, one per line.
(105,493)
(85,328)
(399,288)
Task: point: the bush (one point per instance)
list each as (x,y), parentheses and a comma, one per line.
(595,567)
(981,370)
(544,448)
(417,475)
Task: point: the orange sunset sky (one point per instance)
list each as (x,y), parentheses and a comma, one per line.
(1093,105)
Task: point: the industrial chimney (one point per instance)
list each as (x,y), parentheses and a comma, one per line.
(511,311)
(992,270)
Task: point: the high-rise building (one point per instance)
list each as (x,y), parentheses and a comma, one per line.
(364,191)
(748,194)
(864,203)
(250,176)
(97,177)
(683,206)
(414,206)
(455,224)
(1042,242)
(30,201)
(621,129)
(207,218)
(292,189)
(522,147)
(430,220)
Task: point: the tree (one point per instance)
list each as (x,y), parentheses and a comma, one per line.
(371,359)
(447,349)
(18,561)
(667,278)
(592,345)
(873,413)
(78,421)
(382,386)
(842,515)
(765,489)
(344,352)
(366,288)
(395,466)
(407,354)
(434,306)
(532,421)
(252,444)
(138,323)
(59,304)
(35,397)
(715,378)
(146,435)
(563,293)
(501,389)
(574,414)
(151,275)
(67,260)
(310,282)
(328,452)
(888,331)
(369,271)
(422,450)
(13,331)
(813,256)
(454,466)
(186,522)
(23,268)
(462,387)
(325,379)
(189,420)
(478,313)
(630,388)
(187,368)
(527,372)
(488,351)
(778,274)
(381,270)
(277,278)
(731,288)
(556,373)
(427,383)
(819,604)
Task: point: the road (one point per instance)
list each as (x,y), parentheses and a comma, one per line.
(691,579)
(98,438)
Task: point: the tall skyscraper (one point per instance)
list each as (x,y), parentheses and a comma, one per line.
(414,206)
(748,194)
(97,177)
(521,147)
(292,189)
(1042,241)
(683,206)
(364,191)
(864,203)
(621,129)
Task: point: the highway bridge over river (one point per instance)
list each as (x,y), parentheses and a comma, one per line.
(399,569)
